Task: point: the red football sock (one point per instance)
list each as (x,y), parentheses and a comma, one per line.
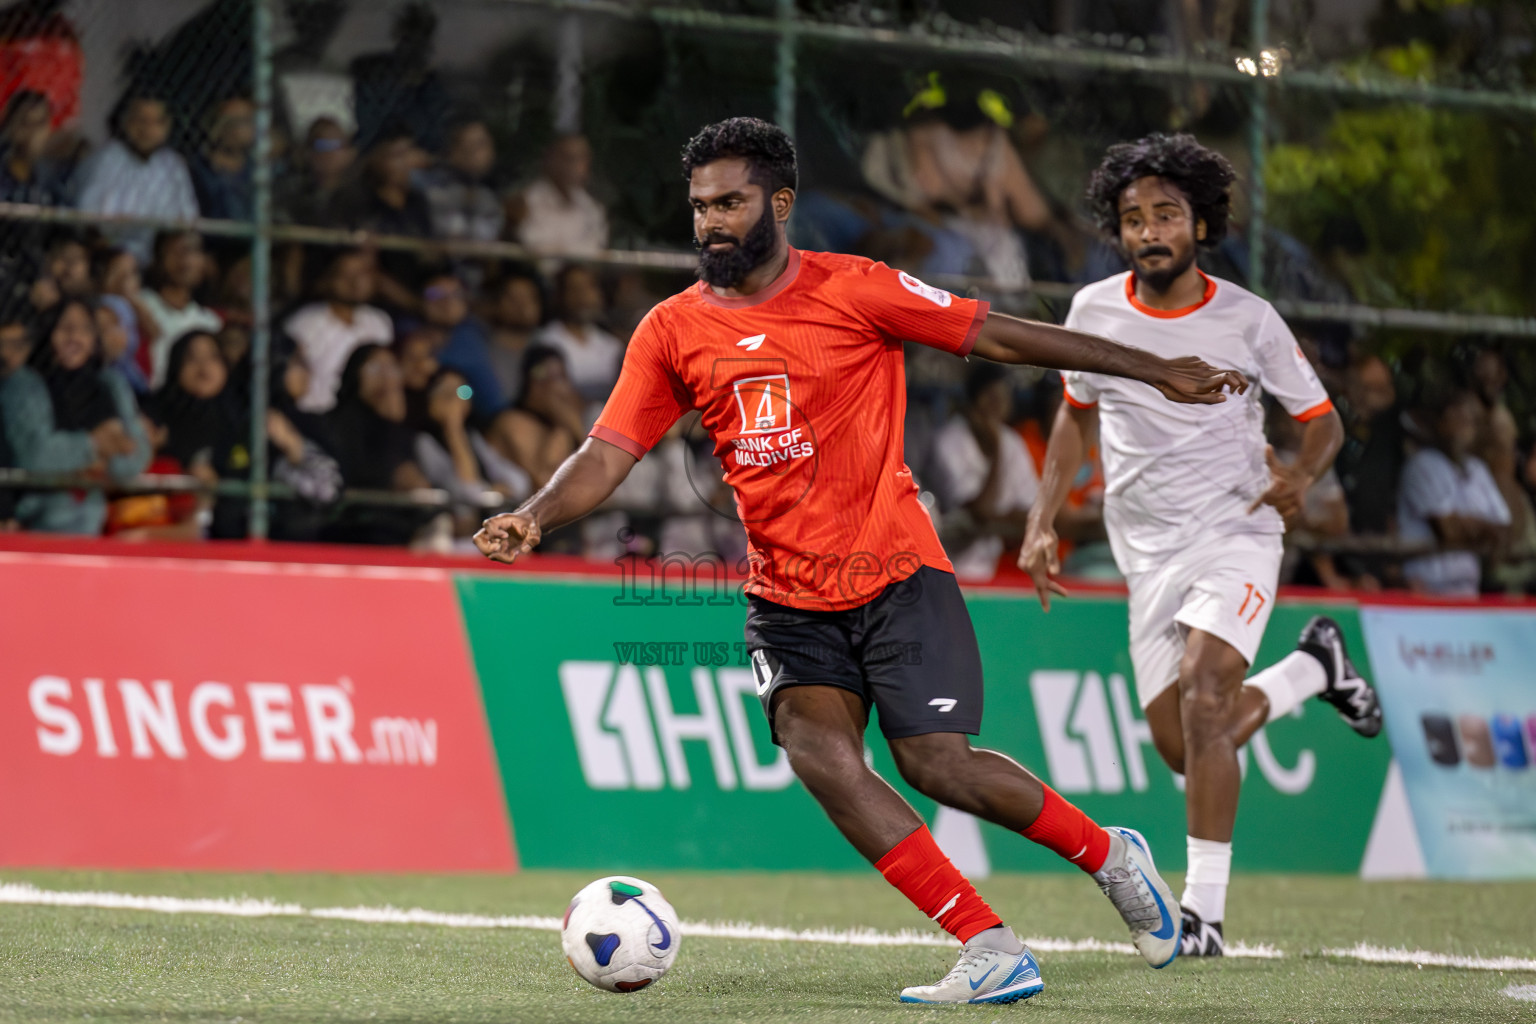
(935,886)
(1069,832)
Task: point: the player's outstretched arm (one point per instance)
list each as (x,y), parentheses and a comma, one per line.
(582,483)
(1008,339)
(1040,554)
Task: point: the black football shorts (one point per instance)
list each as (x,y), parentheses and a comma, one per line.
(911,652)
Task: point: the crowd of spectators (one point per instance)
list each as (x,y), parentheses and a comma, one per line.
(126,350)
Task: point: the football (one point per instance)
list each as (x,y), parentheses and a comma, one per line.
(620,934)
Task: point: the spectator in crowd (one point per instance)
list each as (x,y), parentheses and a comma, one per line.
(464,342)
(515,309)
(592,355)
(545,424)
(179,269)
(399,86)
(138,174)
(118,327)
(1448,497)
(319,170)
(15,346)
(1370,464)
(385,202)
(40,52)
(117,276)
(66,274)
(329,330)
(556,214)
(66,412)
(1514,569)
(458,193)
(983,475)
(25,177)
(375,448)
(222,169)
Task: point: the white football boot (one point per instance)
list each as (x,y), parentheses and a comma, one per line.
(982,976)
(1145,902)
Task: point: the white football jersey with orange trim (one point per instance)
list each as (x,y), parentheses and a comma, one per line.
(1177,475)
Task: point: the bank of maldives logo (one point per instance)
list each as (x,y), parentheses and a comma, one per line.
(764,404)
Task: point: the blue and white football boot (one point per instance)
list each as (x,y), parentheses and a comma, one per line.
(982,976)
(1145,902)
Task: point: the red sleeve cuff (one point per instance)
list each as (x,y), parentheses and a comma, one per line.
(618,440)
(982,308)
(1074,403)
(1320,409)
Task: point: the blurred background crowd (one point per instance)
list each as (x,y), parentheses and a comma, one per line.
(475,205)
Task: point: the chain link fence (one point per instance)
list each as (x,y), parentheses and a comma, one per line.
(324,245)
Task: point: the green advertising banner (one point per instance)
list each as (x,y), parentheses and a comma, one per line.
(629,736)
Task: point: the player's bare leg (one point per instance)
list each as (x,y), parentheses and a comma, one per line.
(822,730)
(992,786)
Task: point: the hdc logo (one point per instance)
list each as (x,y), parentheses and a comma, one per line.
(1088,736)
(628,735)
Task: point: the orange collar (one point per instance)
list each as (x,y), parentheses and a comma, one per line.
(1167,314)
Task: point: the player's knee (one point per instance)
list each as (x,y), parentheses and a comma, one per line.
(822,759)
(1204,707)
(933,765)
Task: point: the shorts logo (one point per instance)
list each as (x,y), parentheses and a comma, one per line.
(937,296)
(764,404)
(762,671)
(944,704)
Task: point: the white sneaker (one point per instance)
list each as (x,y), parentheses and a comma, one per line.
(1144,900)
(982,976)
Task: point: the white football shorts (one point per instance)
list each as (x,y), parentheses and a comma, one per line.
(1225,587)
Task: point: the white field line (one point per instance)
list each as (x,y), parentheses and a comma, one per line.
(1524,993)
(25,893)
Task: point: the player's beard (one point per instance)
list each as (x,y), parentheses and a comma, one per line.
(727,268)
(1162,279)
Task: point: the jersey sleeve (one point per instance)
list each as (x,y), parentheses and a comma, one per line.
(649,397)
(1077,387)
(903,308)
(1285,372)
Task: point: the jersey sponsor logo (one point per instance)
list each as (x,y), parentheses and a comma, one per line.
(753,343)
(629,734)
(1089,731)
(764,404)
(937,296)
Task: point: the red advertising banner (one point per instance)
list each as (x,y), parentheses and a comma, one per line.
(160,713)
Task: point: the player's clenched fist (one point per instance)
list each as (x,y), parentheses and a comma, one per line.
(503,537)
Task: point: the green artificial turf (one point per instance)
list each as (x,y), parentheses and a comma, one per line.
(60,964)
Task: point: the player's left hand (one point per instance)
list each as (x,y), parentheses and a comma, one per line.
(1287,487)
(1193,381)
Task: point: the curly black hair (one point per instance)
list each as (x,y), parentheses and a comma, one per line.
(1203,175)
(766,148)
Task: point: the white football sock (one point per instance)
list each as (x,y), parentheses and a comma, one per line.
(1205,882)
(1290,681)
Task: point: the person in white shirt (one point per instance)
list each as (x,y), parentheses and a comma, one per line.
(592,355)
(179,269)
(556,214)
(1195,502)
(137,174)
(328,331)
(983,475)
(1449,496)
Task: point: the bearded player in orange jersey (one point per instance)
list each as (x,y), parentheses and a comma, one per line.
(794,360)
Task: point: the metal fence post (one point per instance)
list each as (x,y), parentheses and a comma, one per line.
(784,95)
(261,266)
(1258,125)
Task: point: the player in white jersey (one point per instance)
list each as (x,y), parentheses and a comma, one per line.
(1195,502)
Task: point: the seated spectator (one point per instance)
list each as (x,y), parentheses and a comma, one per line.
(545,424)
(375,448)
(461,200)
(556,214)
(179,269)
(26,176)
(592,355)
(117,273)
(66,274)
(1369,465)
(464,342)
(15,346)
(329,330)
(138,174)
(514,308)
(222,169)
(65,412)
(983,475)
(1514,570)
(1449,497)
(117,325)
(320,169)
(398,85)
(384,202)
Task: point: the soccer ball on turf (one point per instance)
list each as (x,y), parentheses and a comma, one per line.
(620,933)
